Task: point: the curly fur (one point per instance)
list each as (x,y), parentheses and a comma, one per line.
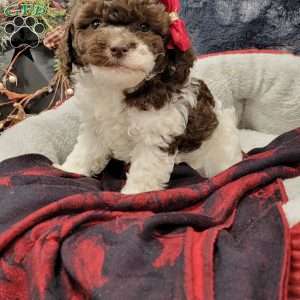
(140,102)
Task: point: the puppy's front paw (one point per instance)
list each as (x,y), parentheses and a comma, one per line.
(131,189)
(72,169)
(127,190)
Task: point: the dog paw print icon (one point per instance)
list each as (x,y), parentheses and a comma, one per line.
(24,32)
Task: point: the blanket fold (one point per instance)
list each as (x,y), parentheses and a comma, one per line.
(63,237)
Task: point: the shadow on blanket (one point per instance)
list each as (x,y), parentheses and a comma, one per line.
(61,237)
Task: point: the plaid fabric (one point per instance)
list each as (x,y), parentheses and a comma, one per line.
(63,237)
(53,38)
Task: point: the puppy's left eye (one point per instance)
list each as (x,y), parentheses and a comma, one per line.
(144,27)
(95,24)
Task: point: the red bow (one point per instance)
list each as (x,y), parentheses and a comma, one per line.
(180,36)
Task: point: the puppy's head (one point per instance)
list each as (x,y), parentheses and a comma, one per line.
(123,41)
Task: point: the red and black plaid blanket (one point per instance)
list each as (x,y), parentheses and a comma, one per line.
(63,237)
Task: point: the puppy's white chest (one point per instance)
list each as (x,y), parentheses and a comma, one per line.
(113,131)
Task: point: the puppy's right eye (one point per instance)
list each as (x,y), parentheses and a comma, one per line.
(144,27)
(95,24)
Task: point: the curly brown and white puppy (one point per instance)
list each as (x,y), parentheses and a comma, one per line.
(140,101)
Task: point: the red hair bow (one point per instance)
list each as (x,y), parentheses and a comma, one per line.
(180,36)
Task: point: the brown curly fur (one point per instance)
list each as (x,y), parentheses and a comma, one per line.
(171,71)
(201,123)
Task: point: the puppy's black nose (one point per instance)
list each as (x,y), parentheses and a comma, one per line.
(119,51)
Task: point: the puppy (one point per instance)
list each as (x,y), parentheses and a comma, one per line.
(140,100)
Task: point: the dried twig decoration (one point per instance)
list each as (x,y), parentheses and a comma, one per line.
(20,101)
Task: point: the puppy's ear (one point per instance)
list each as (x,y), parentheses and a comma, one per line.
(179,65)
(66,53)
